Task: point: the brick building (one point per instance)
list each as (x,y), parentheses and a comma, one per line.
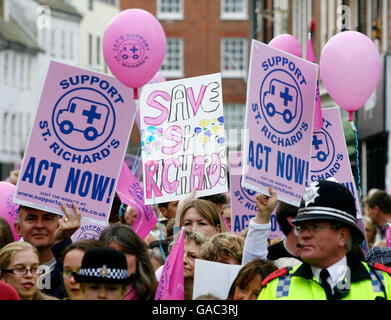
(330,17)
(204,37)
(208,36)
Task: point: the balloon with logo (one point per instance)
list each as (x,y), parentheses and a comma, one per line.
(350,68)
(8,209)
(134,46)
(287,43)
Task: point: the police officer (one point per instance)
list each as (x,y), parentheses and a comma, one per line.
(329,240)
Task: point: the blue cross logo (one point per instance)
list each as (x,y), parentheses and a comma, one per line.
(316,142)
(91,114)
(286,96)
(134,49)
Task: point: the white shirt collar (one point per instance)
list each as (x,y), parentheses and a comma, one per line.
(337,272)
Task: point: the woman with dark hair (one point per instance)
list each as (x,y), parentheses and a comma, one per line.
(6,236)
(124,239)
(72,257)
(248,283)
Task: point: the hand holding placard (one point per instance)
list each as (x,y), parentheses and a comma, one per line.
(265,205)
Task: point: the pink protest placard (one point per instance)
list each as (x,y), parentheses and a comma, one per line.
(281,92)
(243,205)
(171,284)
(77,143)
(182,138)
(135,164)
(130,191)
(89,229)
(330,157)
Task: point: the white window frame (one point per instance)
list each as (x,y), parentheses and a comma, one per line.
(234,135)
(242,15)
(6,67)
(63,44)
(234,73)
(161,15)
(176,73)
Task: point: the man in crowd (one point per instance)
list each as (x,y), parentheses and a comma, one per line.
(50,234)
(328,238)
(379,210)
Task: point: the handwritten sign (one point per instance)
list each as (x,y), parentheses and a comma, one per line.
(183,142)
(243,205)
(77,142)
(330,158)
(279,116)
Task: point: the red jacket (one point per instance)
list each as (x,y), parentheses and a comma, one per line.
(8,292)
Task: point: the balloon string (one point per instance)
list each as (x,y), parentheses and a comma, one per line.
(136,161)
(364,244)
(358,162)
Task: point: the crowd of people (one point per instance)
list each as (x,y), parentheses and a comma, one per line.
(322,254)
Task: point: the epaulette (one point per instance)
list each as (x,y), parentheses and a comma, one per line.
(382,267)
(276,274)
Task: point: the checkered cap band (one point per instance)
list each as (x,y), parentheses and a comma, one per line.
(104,273)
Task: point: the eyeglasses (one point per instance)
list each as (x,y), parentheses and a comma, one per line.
(22,270)
(311,228)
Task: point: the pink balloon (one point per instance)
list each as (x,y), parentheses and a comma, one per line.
(350,68)
(134,46)
(8,209)
(287,43)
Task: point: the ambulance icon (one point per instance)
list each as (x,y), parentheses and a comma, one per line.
(85,116)
(281,99)
(321,148)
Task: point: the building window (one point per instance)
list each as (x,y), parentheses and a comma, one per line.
(14,71)
(233,9)
(301,15)
(170,9)
(90,49)
(172,66)
(234,57)
(28,75)
(53,43)
(63,53)
(5,65)
(98,50)
(71,46)
(43,39)
(21,80)
(111,2)
(234,123)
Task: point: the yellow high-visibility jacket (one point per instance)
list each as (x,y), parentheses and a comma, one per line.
(366,283)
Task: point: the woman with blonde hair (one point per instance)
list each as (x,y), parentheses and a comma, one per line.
(201,215)
(19,267)
(224,248)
